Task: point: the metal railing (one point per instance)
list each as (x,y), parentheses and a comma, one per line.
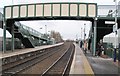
(29,31)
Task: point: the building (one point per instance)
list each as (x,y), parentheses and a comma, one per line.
(110,38)
(18,44)
(119,8)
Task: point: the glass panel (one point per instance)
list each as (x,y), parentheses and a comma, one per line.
(65,10)
(23,11)
(91,10)
(15,11)
(82,10)
(31,10)
(47,10)
(73,10)
(56,9)
(8,12)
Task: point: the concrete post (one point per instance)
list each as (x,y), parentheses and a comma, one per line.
(4,36)
(95,34)
(13,46)
(116,25)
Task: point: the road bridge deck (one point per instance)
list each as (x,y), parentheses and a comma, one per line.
(27,50)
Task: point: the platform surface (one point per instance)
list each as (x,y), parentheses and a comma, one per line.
(80,64)
(26,50)
(89,65)
(103,66)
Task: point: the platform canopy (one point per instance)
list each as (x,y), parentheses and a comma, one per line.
(51,10)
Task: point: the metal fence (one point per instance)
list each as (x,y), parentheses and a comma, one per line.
(109,50)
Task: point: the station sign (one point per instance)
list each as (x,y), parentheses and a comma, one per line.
(110,22)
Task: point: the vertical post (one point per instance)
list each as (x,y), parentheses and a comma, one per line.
(115,48)
(13,46)
(92,44)
(81,33)
(95,34)
(84,31)
(4,36)
(119,48)
(4,32)
(40,36)
(119,53)
(46,30)
(115,30)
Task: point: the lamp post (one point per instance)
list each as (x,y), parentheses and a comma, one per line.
(40,35)
(46,30)
(84,31)
(49,33)
(81,33)
(49,36)
(116,26)
(94,36)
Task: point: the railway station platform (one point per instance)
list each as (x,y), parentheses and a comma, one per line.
(103,66)
(80,64)
(88,65)
(26,50)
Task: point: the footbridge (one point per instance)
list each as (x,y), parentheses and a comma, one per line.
(59,11)
(29,37)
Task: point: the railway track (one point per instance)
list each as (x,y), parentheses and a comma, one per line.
(60,66)
(44,63)
(17,66)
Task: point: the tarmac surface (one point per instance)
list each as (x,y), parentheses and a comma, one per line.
(103,66)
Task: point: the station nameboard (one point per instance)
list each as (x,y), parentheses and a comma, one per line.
(51,10)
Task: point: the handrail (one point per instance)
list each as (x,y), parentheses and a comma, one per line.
(31,31)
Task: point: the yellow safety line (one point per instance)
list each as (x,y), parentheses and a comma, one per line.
(87,68)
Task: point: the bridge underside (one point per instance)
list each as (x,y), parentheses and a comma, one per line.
(103,29)
(54,18)
(10,22)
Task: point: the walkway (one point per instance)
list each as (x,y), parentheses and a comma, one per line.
(80,64)
(103,66)
(26,50)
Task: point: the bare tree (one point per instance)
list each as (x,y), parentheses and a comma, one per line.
(56,35)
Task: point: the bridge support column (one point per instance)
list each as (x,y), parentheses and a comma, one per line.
(4,36)
(13,40)
(95,36)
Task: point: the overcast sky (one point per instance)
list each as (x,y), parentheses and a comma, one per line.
(69,29)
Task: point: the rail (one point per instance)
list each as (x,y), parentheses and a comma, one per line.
(53,69)
(24,63)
